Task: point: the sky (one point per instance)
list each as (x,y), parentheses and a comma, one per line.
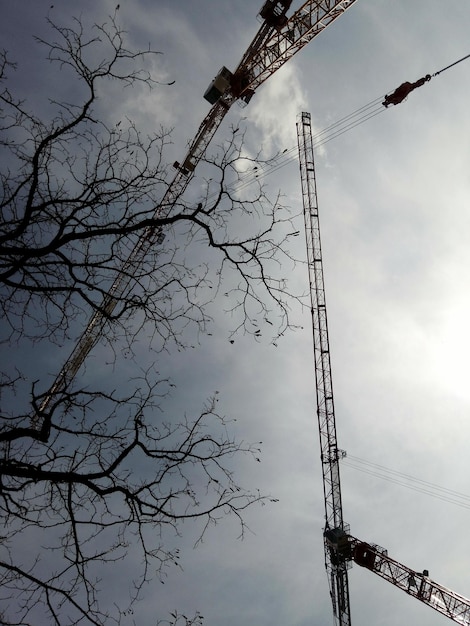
(393,199)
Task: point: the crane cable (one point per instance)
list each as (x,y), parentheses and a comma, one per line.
(338,128)
(409,482)
(334,130)
(451,65)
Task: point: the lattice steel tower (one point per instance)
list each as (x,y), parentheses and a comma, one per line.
(337,561)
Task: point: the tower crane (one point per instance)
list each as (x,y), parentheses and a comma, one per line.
(277,40)
(341,548)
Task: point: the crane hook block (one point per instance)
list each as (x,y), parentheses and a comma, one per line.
(403,91)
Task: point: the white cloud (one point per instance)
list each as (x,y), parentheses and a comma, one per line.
(275,108)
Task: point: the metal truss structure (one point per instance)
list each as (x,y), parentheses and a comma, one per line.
(341,549)
(337,561)
(277,40)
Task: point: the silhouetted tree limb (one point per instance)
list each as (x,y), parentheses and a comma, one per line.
(101,480)
(104,485)
(78,190)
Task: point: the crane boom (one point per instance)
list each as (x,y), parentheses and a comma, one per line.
(277,40)
(335,527)
(149,237)
(416,584)
(290,36)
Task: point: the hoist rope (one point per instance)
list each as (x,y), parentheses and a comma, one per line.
(334,130)
(451,65)
(409,482)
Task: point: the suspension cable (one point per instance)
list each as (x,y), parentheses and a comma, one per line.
(334,130)
(451,65)
(409,482)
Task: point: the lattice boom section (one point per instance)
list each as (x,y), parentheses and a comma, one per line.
(416,584)
(305,24)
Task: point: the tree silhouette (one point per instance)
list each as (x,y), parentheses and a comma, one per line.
(103,474)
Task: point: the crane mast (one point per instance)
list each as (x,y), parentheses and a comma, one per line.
(337,561)
(277,40)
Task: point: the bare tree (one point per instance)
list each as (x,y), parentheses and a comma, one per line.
(112,472)
(77,191)
(179,619)
(112,478)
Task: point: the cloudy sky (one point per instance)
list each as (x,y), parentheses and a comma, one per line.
(394,203)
